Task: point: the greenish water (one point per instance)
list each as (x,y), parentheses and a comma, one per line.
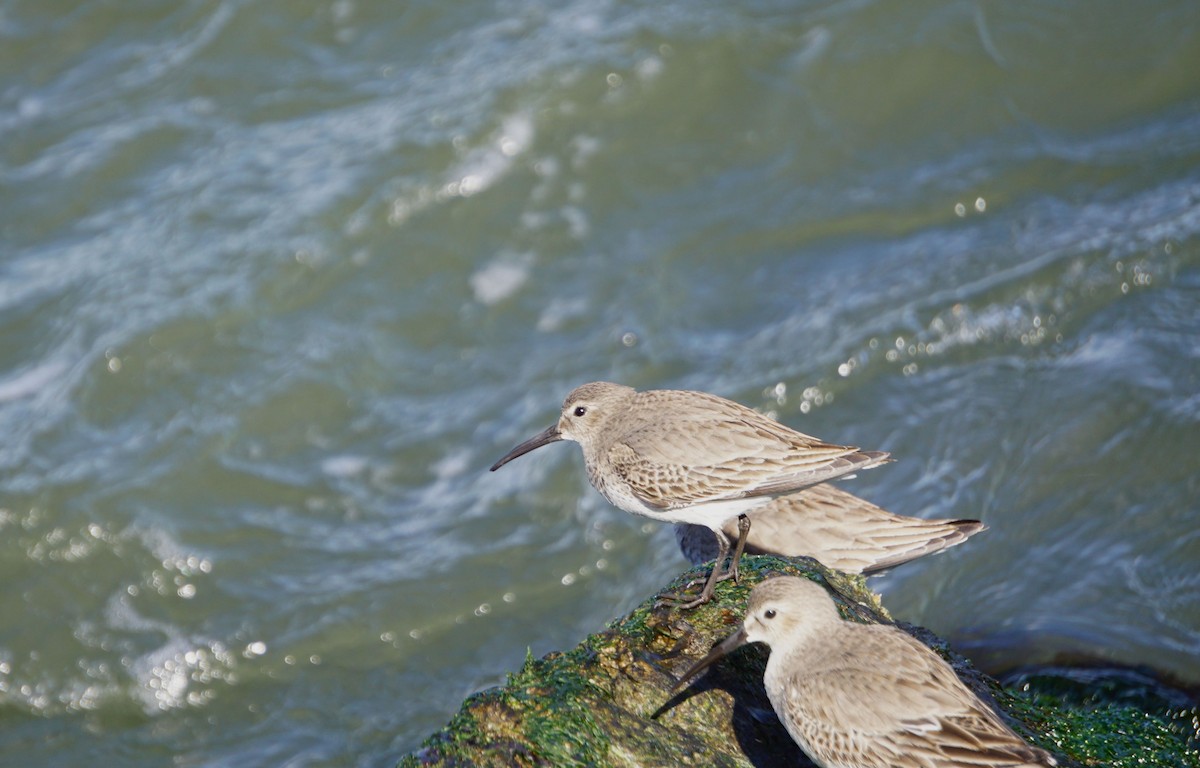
(279,281)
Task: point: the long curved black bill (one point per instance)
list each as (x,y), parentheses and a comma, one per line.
(718,652)
(545,437)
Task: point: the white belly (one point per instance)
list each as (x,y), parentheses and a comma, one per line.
(712,514)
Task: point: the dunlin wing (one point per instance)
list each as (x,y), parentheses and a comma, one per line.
(891,703)
(683,448)
(837,528)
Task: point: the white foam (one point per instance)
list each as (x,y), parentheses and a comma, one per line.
(484,166)
(344,466)
(30,381)
(559,311)
(501,278)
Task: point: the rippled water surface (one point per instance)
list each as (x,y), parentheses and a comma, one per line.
(280,280)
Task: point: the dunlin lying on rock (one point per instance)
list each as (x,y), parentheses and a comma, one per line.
(867,695)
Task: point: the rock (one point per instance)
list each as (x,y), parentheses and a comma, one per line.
(607,702)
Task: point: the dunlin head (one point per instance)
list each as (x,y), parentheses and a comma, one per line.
(690,457)
(867,695)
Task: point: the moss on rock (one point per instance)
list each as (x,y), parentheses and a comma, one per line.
(608,702)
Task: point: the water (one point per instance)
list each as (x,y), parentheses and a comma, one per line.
(280,280)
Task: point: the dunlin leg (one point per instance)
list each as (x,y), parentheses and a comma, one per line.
(681,600)
(743,532)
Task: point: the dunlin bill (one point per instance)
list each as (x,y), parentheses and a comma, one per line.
(837,528)
(867,695)
(690,457)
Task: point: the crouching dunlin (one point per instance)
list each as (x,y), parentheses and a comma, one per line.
(867,695)
(834,527)
(690,457)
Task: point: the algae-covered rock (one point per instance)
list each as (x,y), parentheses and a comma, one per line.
(608,702)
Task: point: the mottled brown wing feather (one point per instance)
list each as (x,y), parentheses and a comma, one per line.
(838,528)
(713,449)
(848,713)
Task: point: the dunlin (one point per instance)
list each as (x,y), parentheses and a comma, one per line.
(690,457)
(837,528)
(867,695)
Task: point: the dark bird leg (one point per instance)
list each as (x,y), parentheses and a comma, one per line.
(743,532)
(680,600)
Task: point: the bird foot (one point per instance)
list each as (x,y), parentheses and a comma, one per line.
(684,600)
(681,600)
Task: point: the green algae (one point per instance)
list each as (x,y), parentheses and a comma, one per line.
(1107,718)
(608,701)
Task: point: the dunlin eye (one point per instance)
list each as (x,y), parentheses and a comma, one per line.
(769,613)
(580,410)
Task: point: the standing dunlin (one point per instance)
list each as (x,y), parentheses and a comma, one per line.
(834,527)
(867,695)
(690,457)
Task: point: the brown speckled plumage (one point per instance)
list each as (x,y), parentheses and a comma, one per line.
(673,449)
(690,457)
(833,526)
(867,695)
